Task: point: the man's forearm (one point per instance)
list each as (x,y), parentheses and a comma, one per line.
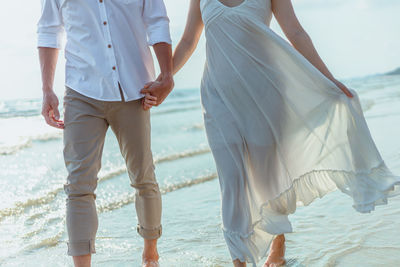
(165,82)
(163,52)
(48,60)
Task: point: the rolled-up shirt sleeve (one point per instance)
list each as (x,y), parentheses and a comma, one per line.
(50,27)
(156,21)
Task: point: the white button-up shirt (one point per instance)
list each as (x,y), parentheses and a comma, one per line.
(107,43)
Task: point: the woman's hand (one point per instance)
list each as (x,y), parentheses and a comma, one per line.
(343,87)
(149,101)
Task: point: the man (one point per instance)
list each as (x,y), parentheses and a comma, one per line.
(108,61)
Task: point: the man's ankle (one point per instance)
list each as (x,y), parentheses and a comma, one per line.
(150,254)
(82,261)
(150,250)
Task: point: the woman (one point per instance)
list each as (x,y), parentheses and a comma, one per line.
(281,128)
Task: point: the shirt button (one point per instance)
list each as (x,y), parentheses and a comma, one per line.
(105,22)
(109,46)
(114,68)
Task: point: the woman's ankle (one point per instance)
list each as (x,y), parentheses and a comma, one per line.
(238,263)
(280,238)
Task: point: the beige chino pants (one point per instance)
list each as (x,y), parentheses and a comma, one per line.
(86,123)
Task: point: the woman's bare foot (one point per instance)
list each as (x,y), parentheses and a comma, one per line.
(238,263)
(151,264)
(276,255)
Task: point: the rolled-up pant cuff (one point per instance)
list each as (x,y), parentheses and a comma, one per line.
(149,234)
(81,248)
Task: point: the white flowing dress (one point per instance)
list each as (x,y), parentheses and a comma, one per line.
(281,133)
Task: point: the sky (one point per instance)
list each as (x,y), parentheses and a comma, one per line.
(355,38)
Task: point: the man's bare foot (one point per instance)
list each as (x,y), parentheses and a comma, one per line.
(150,255)
(150,264)
(150,261)
(276,255)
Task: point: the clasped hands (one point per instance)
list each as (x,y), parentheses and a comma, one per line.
(155,92)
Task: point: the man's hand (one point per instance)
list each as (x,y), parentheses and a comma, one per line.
(50,110)
(157,91)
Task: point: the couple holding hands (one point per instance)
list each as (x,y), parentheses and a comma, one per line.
(283,131)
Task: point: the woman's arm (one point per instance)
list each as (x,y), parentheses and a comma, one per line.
(286,17)
(190,38)
(184,49)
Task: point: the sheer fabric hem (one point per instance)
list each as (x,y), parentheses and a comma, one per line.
(368,189)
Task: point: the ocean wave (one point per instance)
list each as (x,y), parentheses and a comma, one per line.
(20,207)
(47,242)
(194,127)
(26,109)
(181,155)
(11,149)
(32,107)
(15,114)
(122,169)
(12,144)
(367,104)
(20,108)
(174,110)
(123,200)
(181,100)
(126,199)
(25,142)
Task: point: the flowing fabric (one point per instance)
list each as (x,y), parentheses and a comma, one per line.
(281,133)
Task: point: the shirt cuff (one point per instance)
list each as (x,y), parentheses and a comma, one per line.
(159,35)
(51,40)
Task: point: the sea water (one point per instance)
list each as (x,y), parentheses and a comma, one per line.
(32,209)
